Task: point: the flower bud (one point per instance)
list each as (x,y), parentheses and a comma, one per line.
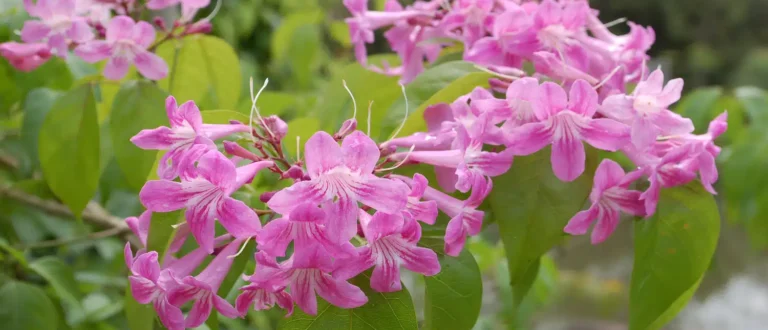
(276,126)
(265,197)
(201,27)
(235,149)
(295,172)
(349,126)
(159,22)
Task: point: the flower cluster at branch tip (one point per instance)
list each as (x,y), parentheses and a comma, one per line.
(342,213)
(97,30)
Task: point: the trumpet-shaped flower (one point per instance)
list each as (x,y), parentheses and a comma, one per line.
(25,57)
(126,44)
(186,140)
(391,244)
(206,198)
(610,196)
(345,174)
(59,25)
(263,297)
(565,122)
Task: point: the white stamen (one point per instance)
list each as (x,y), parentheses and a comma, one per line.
(242,248)
(498,74)
(354,104)
(255,109)
(214,12)
(608,77)
(405,159)
(177,225)
(370,104)
(405,118)
(615,22)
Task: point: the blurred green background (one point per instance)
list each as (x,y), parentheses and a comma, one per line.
(720,48)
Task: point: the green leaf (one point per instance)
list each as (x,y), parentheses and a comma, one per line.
(161,230)
(532,206)
(392,310)
(755,102)
(204,69)
(673,250)
(223,117)
(237,268)
(282,37)
(340,33)
(443,83)
(24,307)
(138,105)
(335,105)
(39,102)
(60,276)
(69,148)
(454,296)
(303,128)
(139,317)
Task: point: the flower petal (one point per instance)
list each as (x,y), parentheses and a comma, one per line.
(607,221)
(550,100)
(420,260)
(455,236)
(321,153)
(94,51)
(670,123)
(529,138)
(339,293)
(644,133)
(580,223)
(568,158)
(608,174)
(341,221)
(142,289)
(360,152)
(224,307)
(382,225)
(150,65)
(275,237)
(384,195)
(651,85)
(164,196)
(238,219)
(200,312)
(116,68)
(170,316)
(386,274)
(284,201)
(143,34)
(34,31)
(582,98)
(671,92)
(606,134)
(120,28)
(350,267)
(217,169)
(200,218)
(302,293)
(161,138)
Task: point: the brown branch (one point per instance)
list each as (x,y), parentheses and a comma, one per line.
(72,240)
(93,213)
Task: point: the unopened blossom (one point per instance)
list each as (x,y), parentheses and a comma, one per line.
(25,57)
(126,44)
(275,127)
(391,244)
(305,226)
(185,141)
(59,25)
(308,275)
(610,196)
(647,110)
(342,177)
(203,289)
(206,198)
(564,122)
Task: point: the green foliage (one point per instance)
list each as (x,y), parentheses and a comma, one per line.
(69,148)
(673,249)
(24,306)
(453,297)
(204,69)
(138,105)
(60,276)
(543,204)
(392,310)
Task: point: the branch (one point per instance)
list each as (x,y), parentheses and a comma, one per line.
(72,240)
(93,213)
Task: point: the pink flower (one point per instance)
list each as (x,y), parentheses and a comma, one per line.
(186,140)
(305,227)
(307,275)
(610,196)
(126,44)
(140,226)
(363,22)
(512,38)
(565,122)
(391,244)
(344,174)
(263,298)
(188,7)
(472,17)
(206,198)
(664,172)
(25,57)
(149,285)
(647,110)
(58,26)
(416,209)
(518,104)
(556,24)
(203,289)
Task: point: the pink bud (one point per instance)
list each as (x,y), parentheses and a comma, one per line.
(295,172)
(25,57)
(265,197)
(235,149)
(498,85)
(349,126)
(276,126)
(201,27)
(159,22)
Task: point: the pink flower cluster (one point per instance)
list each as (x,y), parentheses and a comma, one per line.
(88,28)
(340,194)
(564,39)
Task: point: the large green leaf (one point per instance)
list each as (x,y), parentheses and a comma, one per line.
(69,148)
(303,128)
(441,83)
(673,250)
(204,69)
(699,106)
(453,297)
(138,105)
(755,102)
(393,310)
(532,206)
(60,276)
(139,317)
(39,102)
(335,105)
(24,307)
